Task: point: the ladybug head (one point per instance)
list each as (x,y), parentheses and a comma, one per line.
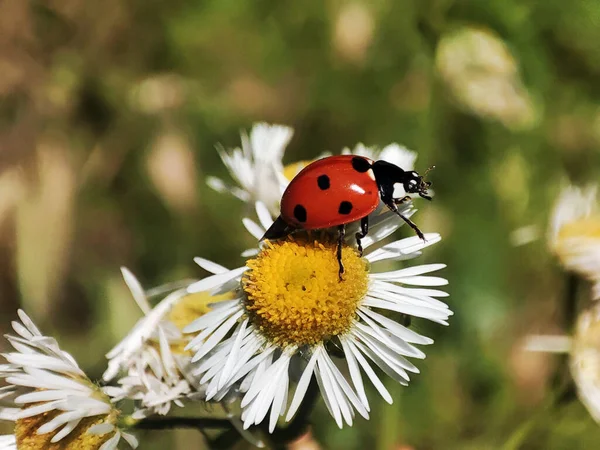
(387,175)
(415,183)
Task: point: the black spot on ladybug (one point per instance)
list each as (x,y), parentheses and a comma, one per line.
(345,208)
(300,213)
(323,182)
(360,164)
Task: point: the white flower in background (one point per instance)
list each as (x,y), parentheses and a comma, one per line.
(574,234)
(256,166)
(289,305)
(392,153)
(157,368)
(482,75)
(50,398)
(152,356)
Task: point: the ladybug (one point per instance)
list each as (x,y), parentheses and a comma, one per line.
(337,190)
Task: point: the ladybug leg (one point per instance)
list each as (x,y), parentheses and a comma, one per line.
(410,223)
(401,201)
(364,230)
(341,234)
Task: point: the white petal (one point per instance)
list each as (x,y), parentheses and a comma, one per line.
(397,329)
(345,387)
(70,426)
(112,443)
(43,362)
(355,375)
(210,266)
(35,410)
(217,336)
(215,280)
(136,289)
(329,397)
(399,345)
(41,396)
(214,317)
(302,387)
(368,370)
(264,216)
(416,311)
(130,439)
(278,406)
(101,429)
(253,228)
(227,370)
(28,323)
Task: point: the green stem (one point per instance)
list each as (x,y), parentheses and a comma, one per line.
(563,389)
(280,438)
(198,423)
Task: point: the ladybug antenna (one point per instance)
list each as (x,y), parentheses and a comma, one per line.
(424,185)
(428,170)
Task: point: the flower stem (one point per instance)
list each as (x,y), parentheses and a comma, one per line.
(199,423)
(280,438)
(570,301)
(563,382)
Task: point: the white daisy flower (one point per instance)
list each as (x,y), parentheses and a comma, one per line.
(290,306)
(152,356)
(256,166)
(392,153)
(574,234)
(51,398)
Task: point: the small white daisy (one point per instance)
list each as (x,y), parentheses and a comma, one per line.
(51,398)
(574,234)
(256,166)
(290,306)
(152,356)
(392,153)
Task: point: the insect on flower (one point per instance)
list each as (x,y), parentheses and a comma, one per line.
(338,190)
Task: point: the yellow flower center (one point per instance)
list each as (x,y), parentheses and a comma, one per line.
(291,170)
(588,227)
(294,294)
(188,309)
(79,438)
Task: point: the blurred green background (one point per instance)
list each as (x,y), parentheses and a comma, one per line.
(109,116)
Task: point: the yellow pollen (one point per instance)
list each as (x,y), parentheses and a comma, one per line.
(79,438)
(291,170)
(294,294)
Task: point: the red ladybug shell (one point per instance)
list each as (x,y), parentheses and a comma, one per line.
(331,191)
